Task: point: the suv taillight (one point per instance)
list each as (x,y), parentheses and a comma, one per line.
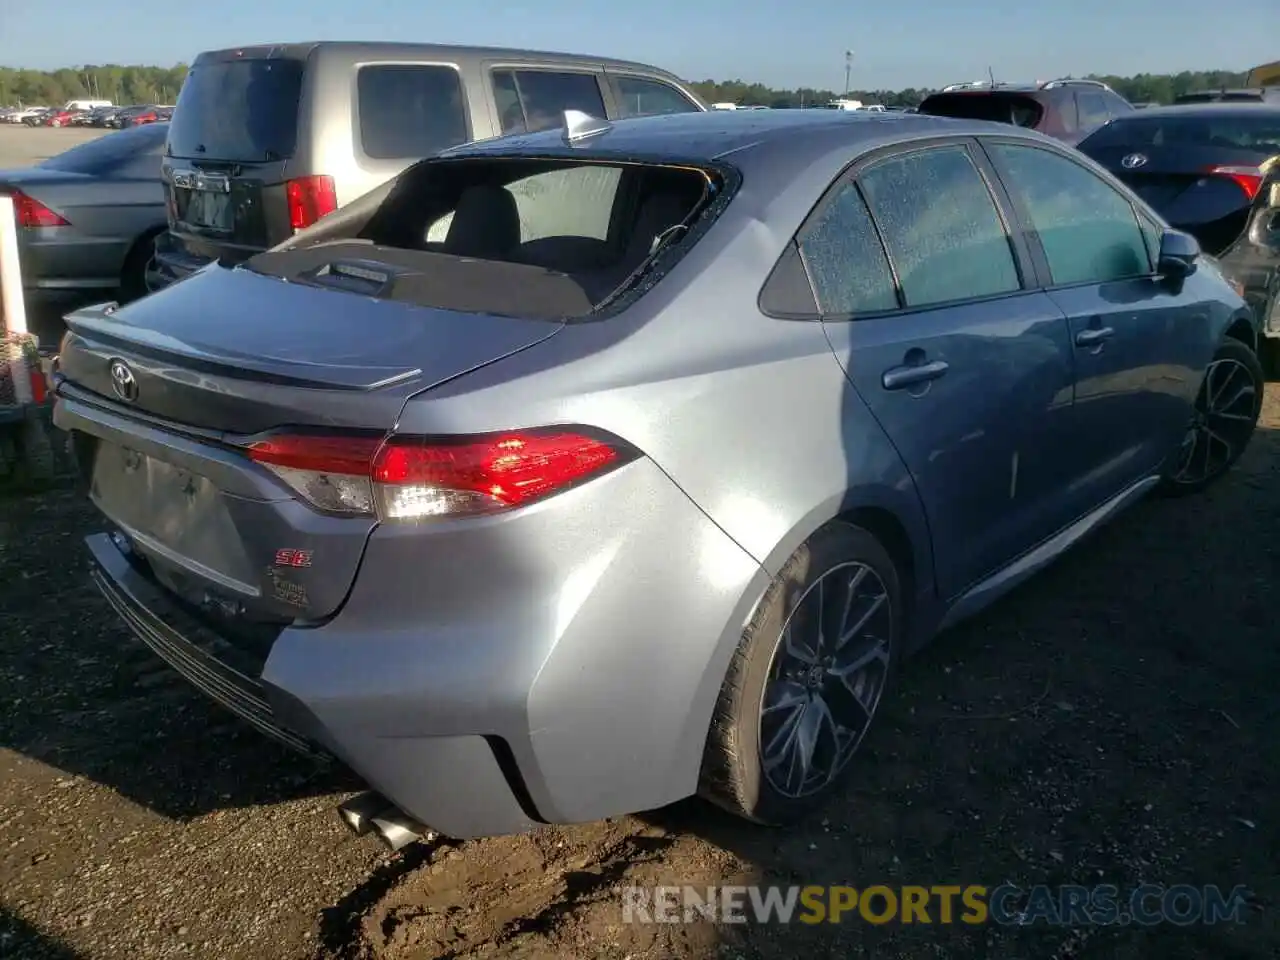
(310,198)
(409,478)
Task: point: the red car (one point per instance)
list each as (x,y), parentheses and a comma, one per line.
(61,118)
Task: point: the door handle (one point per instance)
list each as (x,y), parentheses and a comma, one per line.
(1094,336)
(909,375)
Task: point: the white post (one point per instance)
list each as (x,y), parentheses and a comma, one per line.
(13,310)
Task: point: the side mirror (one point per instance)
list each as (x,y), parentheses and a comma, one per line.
(1179,254)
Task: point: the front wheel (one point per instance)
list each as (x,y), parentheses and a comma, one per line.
(1222,423)
(807,678)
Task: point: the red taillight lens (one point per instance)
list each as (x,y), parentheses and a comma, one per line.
(414,479)
(32,213)
(310,198)
(1249,179)
(419,479)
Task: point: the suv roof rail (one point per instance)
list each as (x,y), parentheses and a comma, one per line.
(1074,82)
(967,85)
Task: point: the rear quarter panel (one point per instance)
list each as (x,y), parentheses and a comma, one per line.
(107,217)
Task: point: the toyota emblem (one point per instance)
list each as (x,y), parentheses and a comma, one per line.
(1133,161)
(123,383)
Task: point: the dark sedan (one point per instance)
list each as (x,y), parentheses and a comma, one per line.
(1213,170)
(89,218)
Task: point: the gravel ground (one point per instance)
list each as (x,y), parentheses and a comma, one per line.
(1115,721)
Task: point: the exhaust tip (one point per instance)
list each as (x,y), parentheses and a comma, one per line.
(370,812)
(358,812)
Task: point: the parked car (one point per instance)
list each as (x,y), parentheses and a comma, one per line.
(482,509)
(61,118)
(88,218)
(1064,109)
(38,116)
(93,118)
(1212,170)
(1244,95)
(124,117)
(254,151)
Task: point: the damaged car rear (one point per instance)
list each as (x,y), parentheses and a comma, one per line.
(312,526)
(1212,170)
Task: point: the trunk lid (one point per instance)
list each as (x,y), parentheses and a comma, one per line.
(229,145)
(1168,159)
(229,353)
(234,351)
(1176,181)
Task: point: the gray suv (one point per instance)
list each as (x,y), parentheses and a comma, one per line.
(266,140)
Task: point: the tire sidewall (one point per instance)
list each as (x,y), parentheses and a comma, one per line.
(831,546)
(1228,350)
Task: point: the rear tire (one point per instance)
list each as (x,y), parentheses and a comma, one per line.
(133,276)
(1226,413)
(806,680)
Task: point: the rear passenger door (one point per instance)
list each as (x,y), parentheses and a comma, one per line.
(1137,354)
(528,99)
(921,287)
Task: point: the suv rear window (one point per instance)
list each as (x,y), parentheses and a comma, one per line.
(243,110)
(1021,111)
(537,238)
(409,110)
(1260,133)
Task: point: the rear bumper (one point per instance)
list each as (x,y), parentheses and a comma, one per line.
(558,665)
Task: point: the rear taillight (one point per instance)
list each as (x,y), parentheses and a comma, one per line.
(1247,178)
(310,198)
(32,213)
(418,479)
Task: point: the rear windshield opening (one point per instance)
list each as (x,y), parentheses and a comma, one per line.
(998,107)
(544,239)
(238,110)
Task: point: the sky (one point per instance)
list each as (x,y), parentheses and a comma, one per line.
(904,43)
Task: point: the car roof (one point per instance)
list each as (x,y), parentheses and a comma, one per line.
(391,50)
(743,134)
(1212,109)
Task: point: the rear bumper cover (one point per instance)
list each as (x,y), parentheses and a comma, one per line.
(557,665)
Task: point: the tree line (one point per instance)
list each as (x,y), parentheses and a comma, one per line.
(140,84)
(1142,88)
(119,84)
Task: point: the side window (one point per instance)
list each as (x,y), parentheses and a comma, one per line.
(506,96)
(941,226)
(1093,110)
(1117,106)
(638,97)
(845,260)
(409,110)
(543,96)
(1088,230)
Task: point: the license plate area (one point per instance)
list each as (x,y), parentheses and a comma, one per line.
(207,209)
(175,517)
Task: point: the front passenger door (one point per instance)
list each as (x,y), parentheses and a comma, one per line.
(1139,352)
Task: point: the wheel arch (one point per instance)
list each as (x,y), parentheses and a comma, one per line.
(1243,329)
(895,517)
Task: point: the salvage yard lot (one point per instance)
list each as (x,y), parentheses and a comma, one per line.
(1114,721)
